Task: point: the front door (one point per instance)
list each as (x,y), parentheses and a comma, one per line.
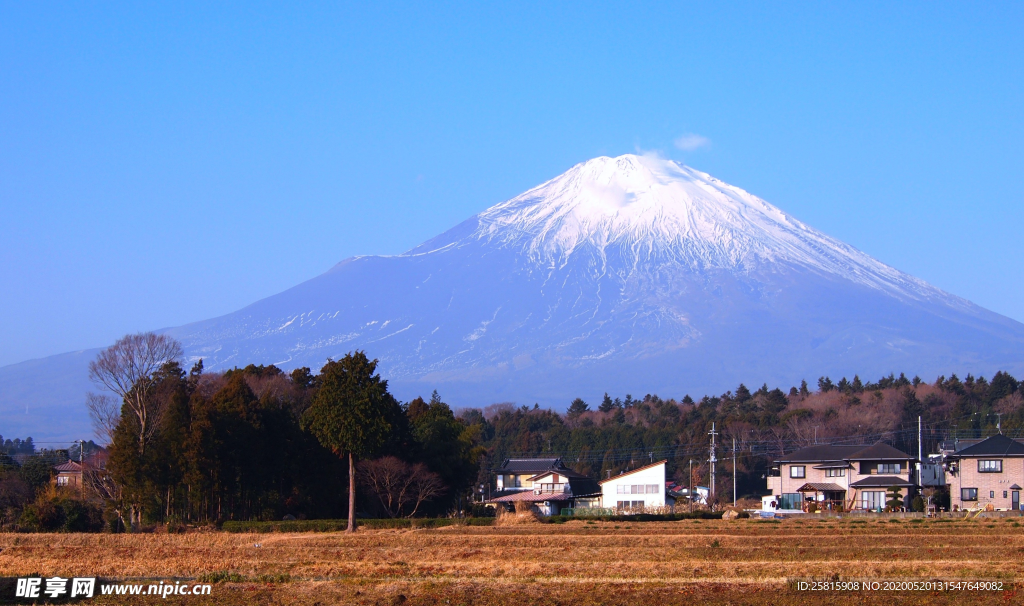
(1015,500)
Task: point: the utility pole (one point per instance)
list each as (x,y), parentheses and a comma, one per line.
(690,487)
(81,469)
(999,422)
(734,472)
(920,453)
(712,460)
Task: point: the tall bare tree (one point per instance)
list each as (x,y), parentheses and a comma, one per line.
(105,413)
(126,368)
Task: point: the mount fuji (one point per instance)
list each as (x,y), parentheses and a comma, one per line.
(631,274)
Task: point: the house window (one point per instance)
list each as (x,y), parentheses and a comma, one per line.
(797,471)
(636,489)
(1004,494)
(991,494)
(889,468)
(995,466)
(62,480)
(872,499)
(790,500)
(629,504)
(968,494)
(835,473)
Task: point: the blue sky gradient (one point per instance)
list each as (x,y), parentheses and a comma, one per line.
(162,164)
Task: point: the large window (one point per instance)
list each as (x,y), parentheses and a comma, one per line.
(797,471)
(872,499)
(995,466)
(835,473)
(629,505)
(968,494)
(889,468)
(790,500)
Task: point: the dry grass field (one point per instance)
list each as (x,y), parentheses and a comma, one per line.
(685,562)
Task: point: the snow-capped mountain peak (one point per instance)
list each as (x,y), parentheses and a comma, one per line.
(638,210)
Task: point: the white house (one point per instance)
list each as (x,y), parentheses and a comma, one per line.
(637,490)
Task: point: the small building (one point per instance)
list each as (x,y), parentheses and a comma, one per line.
(638,490)
(987,474)
(68,475)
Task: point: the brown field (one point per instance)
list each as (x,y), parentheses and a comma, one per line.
(685,562)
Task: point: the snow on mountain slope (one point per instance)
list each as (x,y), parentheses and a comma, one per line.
(646,210)
(627,275)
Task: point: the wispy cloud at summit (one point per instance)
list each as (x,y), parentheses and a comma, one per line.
(691,141)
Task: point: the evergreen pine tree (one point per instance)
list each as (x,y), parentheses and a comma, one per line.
(606,404)
(577,408)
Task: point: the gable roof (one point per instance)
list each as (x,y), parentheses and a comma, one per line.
(632,471)
(996,446)
(881,482)
(562,472)
(820,453)
(69,467)
(827,453)
(879,451)
(530,466)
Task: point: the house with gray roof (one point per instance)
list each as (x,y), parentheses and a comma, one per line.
(844,478)
(988,474)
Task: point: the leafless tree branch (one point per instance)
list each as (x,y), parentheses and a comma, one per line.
(126,369)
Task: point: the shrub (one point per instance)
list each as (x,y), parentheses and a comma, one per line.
(57,510)
(917,504)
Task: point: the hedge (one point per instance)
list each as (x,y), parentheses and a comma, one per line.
(338,525)
(642,517)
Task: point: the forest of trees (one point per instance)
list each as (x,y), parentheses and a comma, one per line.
(249,443)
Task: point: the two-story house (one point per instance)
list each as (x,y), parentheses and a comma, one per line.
(841,477)
(987,474)
(547,484)
(638,490)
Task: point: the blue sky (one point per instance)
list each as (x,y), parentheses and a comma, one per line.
(167,163)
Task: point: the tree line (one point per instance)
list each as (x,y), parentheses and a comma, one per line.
(186,446)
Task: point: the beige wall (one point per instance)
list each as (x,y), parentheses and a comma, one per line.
(786,484)
(986,483)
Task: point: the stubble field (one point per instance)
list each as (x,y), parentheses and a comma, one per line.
(738,562)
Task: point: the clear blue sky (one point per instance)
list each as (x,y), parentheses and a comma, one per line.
(162,163)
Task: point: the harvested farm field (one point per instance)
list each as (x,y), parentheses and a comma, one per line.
(578,562)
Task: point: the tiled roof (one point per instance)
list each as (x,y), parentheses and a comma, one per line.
(632,471)
(530,466)
(879,451)
(530,496)
(996,446)
(881,482)
(820,453)
(821,487)
(69,467)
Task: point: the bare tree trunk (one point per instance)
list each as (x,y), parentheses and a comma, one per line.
(351,494)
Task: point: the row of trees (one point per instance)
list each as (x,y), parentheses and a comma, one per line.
(258,443)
